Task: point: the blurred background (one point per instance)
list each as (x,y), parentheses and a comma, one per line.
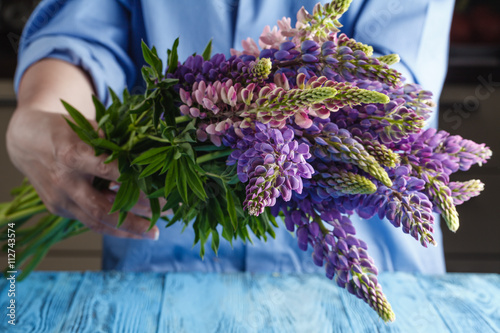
(469,106)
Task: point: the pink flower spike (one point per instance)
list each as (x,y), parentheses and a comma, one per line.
(201,135)
(285,23)
(303,15)
(303,120)
(250,47)
(194,112)
(216,140)
(210,129)
(301,79)
(202,86)
(184,109)
(235,52)
(246,123)
(322,113)
(198,96)
(231,94)
(220,127)
(185,97)
(281,81)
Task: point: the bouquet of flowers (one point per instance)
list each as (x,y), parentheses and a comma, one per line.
(311,127)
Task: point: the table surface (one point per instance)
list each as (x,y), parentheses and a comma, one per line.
(195,302)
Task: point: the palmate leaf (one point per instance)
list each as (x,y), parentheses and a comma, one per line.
(78,118)
(152,155)
(151,57)
(215,241)
(127,196)
(194,181)
(155,211)
(100,109)
(207,53)
(173,57)
(181,182)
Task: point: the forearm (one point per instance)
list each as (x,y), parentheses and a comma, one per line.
(48,81)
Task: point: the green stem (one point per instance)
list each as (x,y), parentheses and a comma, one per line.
(213,156)
(182,119)
(322,226)
(19,215)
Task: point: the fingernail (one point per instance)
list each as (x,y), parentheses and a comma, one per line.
(152,234)
(114,187)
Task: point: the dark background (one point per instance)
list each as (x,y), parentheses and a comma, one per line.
(469,106)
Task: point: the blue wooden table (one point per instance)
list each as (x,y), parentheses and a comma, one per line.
(149,302)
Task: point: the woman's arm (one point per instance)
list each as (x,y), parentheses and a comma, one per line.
(59,165)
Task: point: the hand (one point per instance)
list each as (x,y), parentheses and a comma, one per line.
(57,163)
(61,168)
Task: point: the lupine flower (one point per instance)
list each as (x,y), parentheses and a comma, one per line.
(321,129)
(443,201)
(463,191)
(273,163)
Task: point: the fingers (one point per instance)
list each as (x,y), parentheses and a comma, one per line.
(76,156)
(142,207)
(99,227)
(96,206)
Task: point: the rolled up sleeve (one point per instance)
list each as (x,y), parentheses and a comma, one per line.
(91,34)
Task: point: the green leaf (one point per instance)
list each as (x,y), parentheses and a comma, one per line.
(127,196)
(167,162)
(151,168)
(177,216)
(85,136)
(167,83)
(152,59)
(188,150)
(78,118)
(121,218)
(155,211)
(231,209)
(105,144)
(115,98)
(209,148)
(100,110)
(181,183)
(151,155)
(170,111)
(102,122)
(194,181)
(147,74)
(207,53)
(159,193)
(170,178)
(173,58)
(142,106)
(173,201)
(215,241)
(177,154)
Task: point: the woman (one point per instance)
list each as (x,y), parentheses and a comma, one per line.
(72,49)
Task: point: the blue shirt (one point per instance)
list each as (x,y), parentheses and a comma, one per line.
(103,37)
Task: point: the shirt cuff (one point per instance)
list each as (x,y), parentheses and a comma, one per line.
(96,60)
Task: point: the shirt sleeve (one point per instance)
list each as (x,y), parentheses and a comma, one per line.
(416,30)
(91,34)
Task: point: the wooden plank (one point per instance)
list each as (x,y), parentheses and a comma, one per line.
(361,317)
(253,303)
(42,302)
(465,301)
(215,299)
(414,311)
(115,302)
(184,302)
